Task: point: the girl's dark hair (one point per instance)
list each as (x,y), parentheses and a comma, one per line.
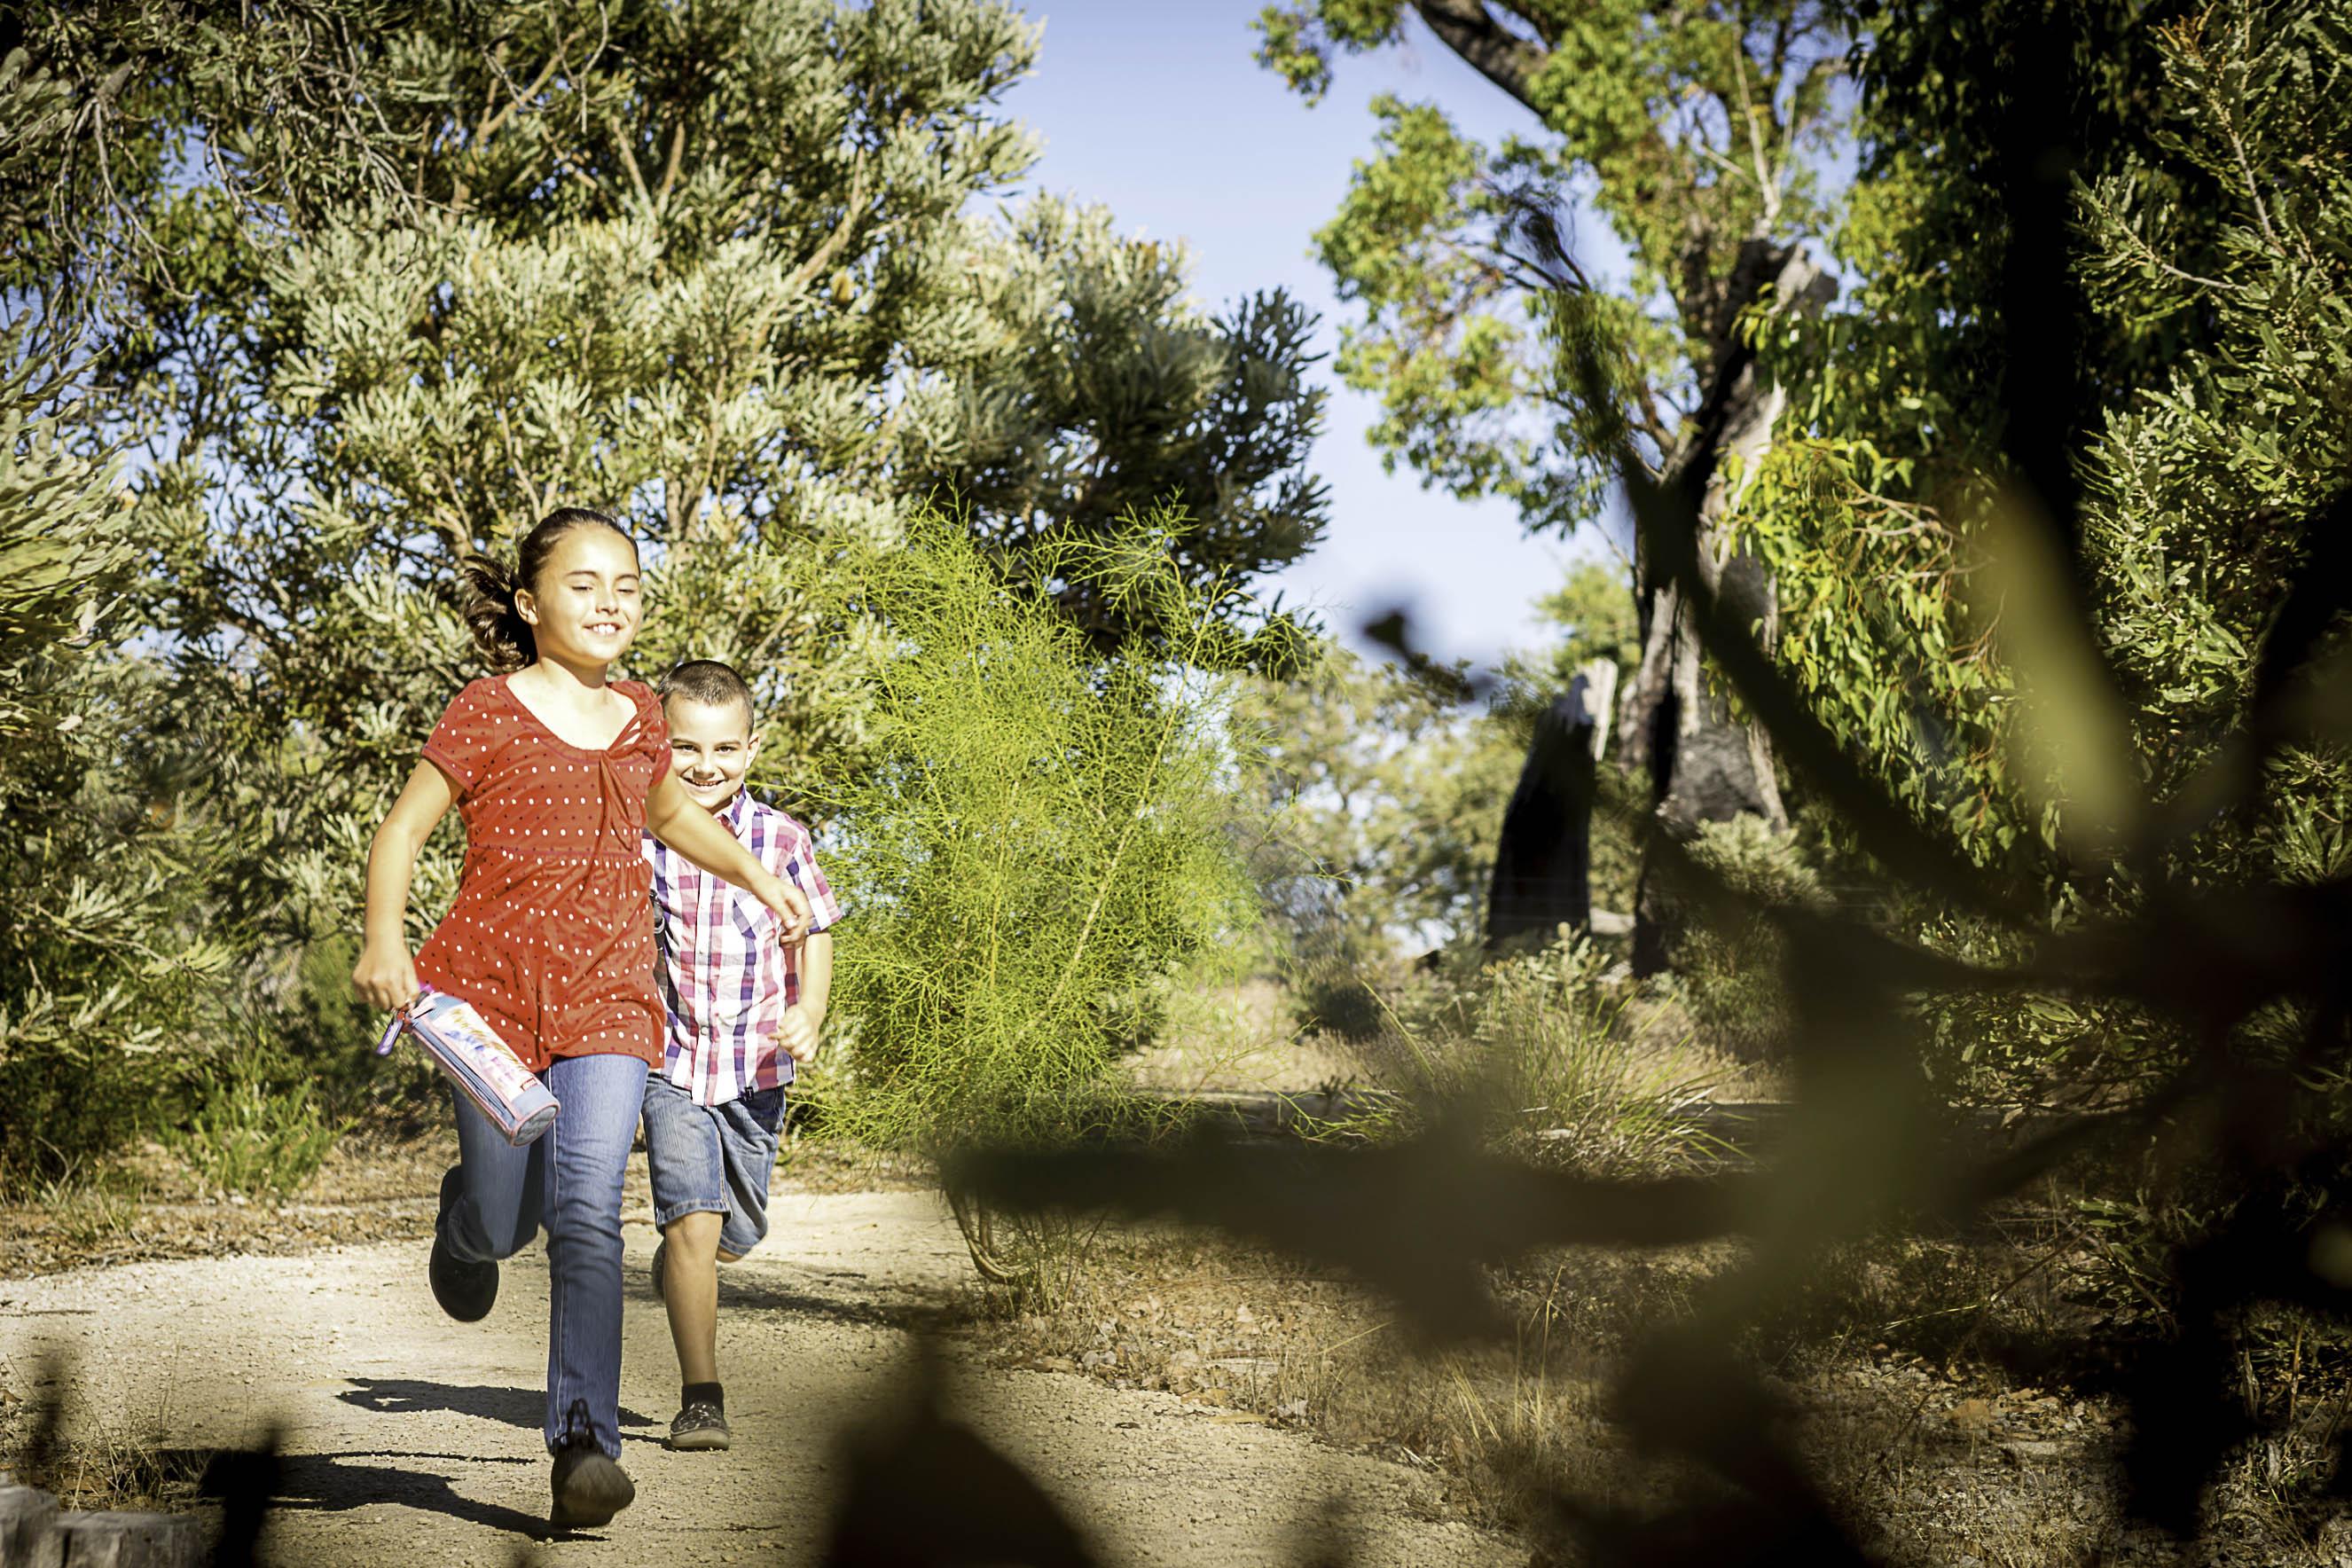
(497,626)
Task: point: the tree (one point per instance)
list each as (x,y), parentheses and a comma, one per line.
(360,285)
(1695,136)
(1968,359)
(718,266)
(1384,797)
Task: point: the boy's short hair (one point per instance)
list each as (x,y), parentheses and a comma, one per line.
(710,683)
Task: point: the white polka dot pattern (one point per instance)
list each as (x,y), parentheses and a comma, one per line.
(551,934)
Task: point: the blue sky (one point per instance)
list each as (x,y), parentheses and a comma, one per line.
(1160,113)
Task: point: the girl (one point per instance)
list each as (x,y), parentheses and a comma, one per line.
(555,771)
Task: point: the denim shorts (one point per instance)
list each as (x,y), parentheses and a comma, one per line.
(712,1158)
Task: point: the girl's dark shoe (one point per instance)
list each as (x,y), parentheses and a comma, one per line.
(701,1426)
(589,1486)
(466,1291)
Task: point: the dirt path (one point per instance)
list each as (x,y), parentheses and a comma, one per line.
(410,1438)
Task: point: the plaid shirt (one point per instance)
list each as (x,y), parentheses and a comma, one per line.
(724,979)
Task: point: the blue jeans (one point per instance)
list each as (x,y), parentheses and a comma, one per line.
(570,1180)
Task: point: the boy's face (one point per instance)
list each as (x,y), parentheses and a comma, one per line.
(710,745)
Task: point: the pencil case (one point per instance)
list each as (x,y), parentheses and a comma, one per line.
(483,1066)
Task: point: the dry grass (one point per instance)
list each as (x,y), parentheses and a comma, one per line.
(1899,1366)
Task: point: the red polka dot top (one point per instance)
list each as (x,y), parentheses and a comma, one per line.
(551,934)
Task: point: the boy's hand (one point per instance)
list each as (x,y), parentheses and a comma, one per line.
(385,977)
(790,907)
(796,1032)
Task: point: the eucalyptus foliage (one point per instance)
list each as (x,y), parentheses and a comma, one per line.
(2206,262)
(101,960)
(362,285)
(1686,131)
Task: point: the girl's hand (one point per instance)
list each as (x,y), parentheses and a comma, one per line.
(790,910)
(385,977)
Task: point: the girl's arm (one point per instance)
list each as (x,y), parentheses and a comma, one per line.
(677,820)
(386,974)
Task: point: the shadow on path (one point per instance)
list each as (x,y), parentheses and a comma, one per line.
(748,1292)
(325,1483)
(524,1407)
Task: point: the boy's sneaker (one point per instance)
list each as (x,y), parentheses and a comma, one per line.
(700,1424)
(466,1291)
(589,1484)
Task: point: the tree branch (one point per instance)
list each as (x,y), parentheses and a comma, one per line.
(852,212)
(493,124)
(1502,56)
(669,174)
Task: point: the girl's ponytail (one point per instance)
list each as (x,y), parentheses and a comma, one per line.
(499,628)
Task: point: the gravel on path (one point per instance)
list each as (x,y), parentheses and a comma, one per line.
(408,1438)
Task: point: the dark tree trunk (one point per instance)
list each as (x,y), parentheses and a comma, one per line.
(1543,862)
(1704,765)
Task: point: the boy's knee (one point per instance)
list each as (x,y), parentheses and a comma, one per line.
(696,1233)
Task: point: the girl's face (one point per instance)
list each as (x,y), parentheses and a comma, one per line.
(584,606)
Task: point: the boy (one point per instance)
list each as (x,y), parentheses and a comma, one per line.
(742,1010)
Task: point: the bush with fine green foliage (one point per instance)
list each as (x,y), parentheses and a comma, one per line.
(256,1128)
(1035,835)
(1732,982)
(104,962)
(1542,1042)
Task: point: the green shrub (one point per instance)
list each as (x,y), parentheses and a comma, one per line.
(1731,981)
(104,958)
(1540,1043)
(1035,836)
(63,1113)
(258,1129)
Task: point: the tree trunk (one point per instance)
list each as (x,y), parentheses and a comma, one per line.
(1704,765)
(1543,860)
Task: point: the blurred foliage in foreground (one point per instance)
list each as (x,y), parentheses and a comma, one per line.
(2180,920)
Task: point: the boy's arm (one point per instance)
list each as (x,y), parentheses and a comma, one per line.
(816,975)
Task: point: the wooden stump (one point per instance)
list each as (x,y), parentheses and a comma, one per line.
(28,1529)
(37,1533)
(129,1540)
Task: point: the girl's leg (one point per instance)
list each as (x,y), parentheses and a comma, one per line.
(586,1153)
(490,1198)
